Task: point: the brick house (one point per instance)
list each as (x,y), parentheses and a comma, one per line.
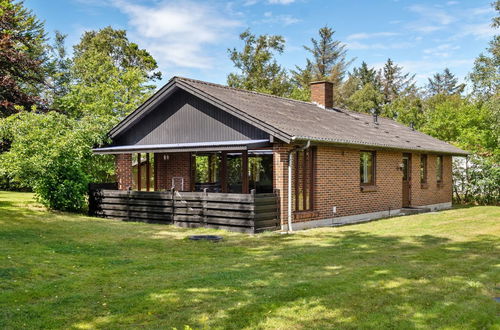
(328,165)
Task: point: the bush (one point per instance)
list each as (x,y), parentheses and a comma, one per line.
(52,154)
(476,180)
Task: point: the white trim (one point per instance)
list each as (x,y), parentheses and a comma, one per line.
(359,218)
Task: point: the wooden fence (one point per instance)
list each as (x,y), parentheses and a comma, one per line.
(248,213)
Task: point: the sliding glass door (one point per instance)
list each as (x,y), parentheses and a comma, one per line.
(233,172)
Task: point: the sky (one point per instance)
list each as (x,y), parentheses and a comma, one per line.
(191,38)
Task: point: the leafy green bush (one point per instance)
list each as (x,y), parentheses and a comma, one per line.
(476,180)
(52,154)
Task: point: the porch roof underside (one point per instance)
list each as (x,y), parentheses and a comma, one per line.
(185,147)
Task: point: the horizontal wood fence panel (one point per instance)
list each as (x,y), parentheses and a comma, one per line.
(247,213)
(265,201)
(132,201)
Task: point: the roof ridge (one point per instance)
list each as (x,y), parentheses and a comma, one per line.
(241,90)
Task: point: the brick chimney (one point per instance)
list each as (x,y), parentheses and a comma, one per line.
(322,93)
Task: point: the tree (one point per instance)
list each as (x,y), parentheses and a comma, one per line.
(51,154)
(444,83)
(485,75)
(366,75)
(22,71)
(496,19)
(329,56)
(110,76)
(258,68)
(395,83)
(366,99)
(59,71)
(408,109)
(455,119)
(301,80)
(328,62)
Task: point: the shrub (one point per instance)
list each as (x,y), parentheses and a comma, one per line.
(476,180)
(52,154)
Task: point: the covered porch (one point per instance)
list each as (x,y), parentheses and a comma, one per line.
(225,185)
(237,167)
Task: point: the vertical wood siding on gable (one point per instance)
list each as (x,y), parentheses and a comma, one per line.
(184,118)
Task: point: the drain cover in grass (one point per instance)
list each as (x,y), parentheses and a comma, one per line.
(214,238)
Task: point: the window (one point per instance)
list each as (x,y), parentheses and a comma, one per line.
(207,172)
(439,169)
(143,172)
(260,171)
(367,168)
(423,168)
(304,179)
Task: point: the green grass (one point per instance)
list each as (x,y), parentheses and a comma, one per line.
(436,270)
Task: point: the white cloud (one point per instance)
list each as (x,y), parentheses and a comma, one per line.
(425,68)
(488,10)
(278,19)
(430,19)
(363,35)
(281,2)
(443,50)
(356,45)
(271,2)
(433,14)
(452,3)
(250,2)
(177,32)
(479,31)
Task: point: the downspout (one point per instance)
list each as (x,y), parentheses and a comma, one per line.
(307,145)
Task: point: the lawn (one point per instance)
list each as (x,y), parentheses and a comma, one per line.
(436,270)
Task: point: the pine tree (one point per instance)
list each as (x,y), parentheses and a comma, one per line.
(366,75)
(395,83)
(444,83)
(329,56)
(328,62)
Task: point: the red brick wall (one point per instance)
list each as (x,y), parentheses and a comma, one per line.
(431,193)
(280,176)
(177,165)
(123,166)
(337,183)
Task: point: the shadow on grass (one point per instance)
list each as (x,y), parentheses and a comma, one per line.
(321,279)
(347,280)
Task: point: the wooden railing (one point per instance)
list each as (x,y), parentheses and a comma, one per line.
(249,213)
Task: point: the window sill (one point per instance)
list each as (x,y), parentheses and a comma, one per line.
(369,188)
(302,215)
(424,185)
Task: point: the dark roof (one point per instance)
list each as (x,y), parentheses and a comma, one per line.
(292,120)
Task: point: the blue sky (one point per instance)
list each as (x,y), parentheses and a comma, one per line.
(190,38)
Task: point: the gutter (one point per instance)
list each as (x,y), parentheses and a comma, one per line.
(358,144)
(307,145)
